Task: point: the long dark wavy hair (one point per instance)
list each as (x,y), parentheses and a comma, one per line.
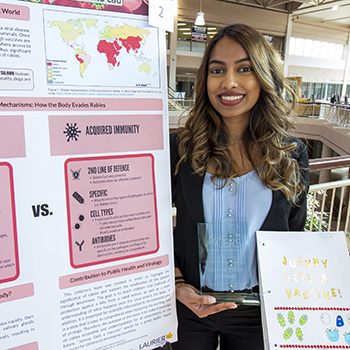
(205,136)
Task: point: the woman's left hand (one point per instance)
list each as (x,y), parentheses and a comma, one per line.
(201,305)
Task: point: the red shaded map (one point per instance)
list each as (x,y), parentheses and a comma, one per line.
(79,59)
(112,49)
(131,42)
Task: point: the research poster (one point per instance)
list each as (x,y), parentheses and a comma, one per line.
(85,211)
(304,289)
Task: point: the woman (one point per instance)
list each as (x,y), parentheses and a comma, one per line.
(233,161)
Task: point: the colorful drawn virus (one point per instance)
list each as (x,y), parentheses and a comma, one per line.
(291,320)
(299,334)
(291,317)
(303,319)
(72,132)
(281,320)
(288,333)
(339,321)
(332,334)
(325,318)
(97,6)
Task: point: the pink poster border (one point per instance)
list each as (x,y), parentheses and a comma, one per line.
(14,223)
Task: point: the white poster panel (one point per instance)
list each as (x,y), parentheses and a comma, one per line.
(305,289)
(85,237)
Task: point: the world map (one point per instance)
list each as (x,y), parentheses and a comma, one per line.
(106,50)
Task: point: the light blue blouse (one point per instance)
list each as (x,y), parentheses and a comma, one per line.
(238,210)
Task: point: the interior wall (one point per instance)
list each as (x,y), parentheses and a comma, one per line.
(316,74)
(307,28)
(267,21)
(222,14)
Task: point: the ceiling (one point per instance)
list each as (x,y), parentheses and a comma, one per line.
(320,10)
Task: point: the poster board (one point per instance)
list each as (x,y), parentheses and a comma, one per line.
(85,210)
(304,289)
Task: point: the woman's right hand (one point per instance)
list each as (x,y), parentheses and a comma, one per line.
(201,305)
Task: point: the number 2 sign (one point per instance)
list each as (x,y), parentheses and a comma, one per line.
(161,14)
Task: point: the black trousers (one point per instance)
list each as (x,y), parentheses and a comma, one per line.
(238,329)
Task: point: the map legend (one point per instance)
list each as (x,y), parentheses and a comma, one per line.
(49,72)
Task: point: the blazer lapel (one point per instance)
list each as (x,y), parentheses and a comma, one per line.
(279,211)
(192,192)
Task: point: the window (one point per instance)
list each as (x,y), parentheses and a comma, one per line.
(194,38)
(314,48)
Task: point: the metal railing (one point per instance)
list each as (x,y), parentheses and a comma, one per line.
(333,113)
(329,206)
(178,103)
(329,203)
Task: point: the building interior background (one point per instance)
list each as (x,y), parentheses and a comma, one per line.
(312,37)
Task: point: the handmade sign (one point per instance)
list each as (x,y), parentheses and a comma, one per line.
(304,289)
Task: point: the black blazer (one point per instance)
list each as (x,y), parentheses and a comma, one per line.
(187,197)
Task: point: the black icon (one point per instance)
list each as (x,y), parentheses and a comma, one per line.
(76,174)
(78,197)
(72,132)
(80,245)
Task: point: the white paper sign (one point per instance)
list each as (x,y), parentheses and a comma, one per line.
(304,289)
(161,14)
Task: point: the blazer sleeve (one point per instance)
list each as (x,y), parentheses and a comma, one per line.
(174,158)
(298,212)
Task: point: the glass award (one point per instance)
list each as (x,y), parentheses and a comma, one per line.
(225,262)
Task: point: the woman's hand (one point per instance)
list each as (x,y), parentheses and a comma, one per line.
(201,305)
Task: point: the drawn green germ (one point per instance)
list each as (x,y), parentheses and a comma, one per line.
(299,334)
(303,320)
(281,320)
(97,5)
(291,317)
(288,333)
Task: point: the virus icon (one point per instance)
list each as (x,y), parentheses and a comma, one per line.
(97,5)
(332,334)
(288,333)
(303,319)
(291,320)
(291,317)
(299,334)
(75,174)
(72,132)
(281,320)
